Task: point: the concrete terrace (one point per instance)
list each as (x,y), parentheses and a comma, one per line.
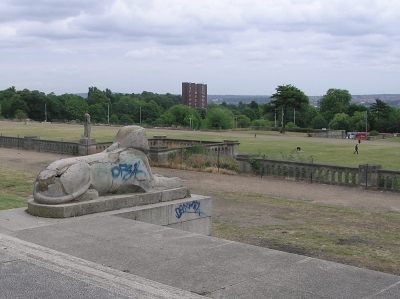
(107,256)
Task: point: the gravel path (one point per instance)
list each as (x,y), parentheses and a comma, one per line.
(207,184)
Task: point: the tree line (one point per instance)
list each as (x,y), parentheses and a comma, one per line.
(288,108)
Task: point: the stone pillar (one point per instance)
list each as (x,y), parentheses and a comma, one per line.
(368,175)
(87,146)
(232,147)
(28,142)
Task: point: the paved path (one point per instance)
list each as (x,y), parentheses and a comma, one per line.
(87,251)
(28,270)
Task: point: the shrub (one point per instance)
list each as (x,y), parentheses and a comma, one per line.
(291,125)
(255,165)
(373,133)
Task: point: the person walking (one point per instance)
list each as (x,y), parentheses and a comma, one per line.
(356,149)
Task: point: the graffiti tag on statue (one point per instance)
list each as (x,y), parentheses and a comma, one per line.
(188,207)
(126,171)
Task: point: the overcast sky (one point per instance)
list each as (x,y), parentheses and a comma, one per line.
(235,46)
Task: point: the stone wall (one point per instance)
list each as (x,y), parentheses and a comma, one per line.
(388,180)
(34,143)
(368,176)
(227,147)
(160,146)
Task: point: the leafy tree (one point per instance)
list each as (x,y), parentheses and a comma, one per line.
(20,115)
(288,96)
(96,96)
(353,108)
(98,113)
(114,119)
(5,97)
(357,121)
(253,105)
(333,102)
(180,115)
(391,123)
(340,121)
(305,116)
(35,100)
(261,123)
(219,118)
(319,122)
(268,111)
(243,121)
(380,109)
(150,112)
(127,105)
(75,106)
(16,103)
(251,113)
(55,108)
(125,120)
(291,125)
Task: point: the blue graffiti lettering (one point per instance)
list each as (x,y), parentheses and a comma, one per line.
(188,207)
(126,171)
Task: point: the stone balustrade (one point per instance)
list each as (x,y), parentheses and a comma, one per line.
(389,180)
(34,143)
(368,176)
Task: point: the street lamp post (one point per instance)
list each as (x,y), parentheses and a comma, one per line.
(294,115)
(190,122)
(45,112)
(108,113)
(235,118)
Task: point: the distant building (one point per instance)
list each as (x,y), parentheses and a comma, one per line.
(194,95)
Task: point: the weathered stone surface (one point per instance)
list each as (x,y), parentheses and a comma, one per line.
(121,168)
(102,204)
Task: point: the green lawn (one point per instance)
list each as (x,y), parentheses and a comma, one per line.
(15,187)
(272,144)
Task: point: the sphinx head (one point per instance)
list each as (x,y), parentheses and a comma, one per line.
(132,137)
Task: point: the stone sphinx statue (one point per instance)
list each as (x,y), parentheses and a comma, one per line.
(121,168)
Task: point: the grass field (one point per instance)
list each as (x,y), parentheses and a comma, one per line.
(15,187)
(271,144)
(351,236)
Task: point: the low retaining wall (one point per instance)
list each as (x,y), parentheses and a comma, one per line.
(368,176)
(160,146)
(33,143)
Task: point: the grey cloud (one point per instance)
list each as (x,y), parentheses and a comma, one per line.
(238,33)
(47,10)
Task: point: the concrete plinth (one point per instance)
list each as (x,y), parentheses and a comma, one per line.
(87,146)
(191,214)
(105,203)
